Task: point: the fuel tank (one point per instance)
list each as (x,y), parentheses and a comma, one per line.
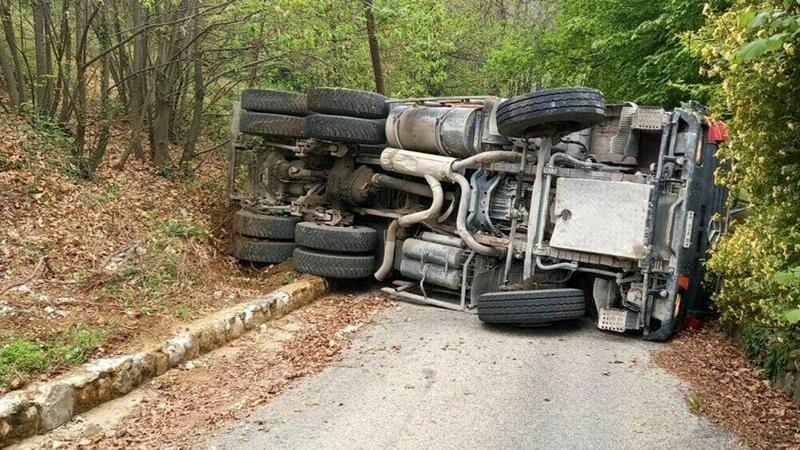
(450,130)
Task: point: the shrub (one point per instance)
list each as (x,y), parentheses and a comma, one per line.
(751,50)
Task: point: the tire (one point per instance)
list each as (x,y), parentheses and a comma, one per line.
(266,124)
(563,110)
(248,223)
(348,102)
(531,307)
(346,129)
(261,250)
(355,239)
(277,102)
(333,266)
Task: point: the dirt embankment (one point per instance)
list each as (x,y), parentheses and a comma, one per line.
(90,268)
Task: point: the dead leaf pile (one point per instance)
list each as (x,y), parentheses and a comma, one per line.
(730,391)
(82,228)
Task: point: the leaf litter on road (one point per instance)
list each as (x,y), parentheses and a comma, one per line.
(730,391)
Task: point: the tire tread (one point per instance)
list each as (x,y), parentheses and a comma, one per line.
(332,265)
(348,102)
(276,102)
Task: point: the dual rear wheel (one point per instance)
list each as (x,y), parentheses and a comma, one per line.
(336,252)
(263,238)
(331,114)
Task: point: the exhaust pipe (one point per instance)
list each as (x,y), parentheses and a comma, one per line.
(391,233)
(444,168)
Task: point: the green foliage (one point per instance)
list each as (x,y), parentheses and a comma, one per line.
(185,228)
(21,355)
(155,269)
(791,279)
(631,50)
(751,51)
(76,349)
(781,27)
(21,358)
(110,192)
(186,312)
(428,47)
(772,349)
(695,403)
(763,159)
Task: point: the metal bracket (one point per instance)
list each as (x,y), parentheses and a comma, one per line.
(612,319)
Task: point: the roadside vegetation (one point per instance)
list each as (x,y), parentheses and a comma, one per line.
(113,136)
(90,268)
(752,51)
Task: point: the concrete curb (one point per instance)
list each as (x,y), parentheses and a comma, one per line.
(46,406)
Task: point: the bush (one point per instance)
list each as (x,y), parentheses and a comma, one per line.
(751,50)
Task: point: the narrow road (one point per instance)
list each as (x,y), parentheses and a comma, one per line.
(422,377)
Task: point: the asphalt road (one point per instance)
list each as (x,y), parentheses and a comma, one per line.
(423,377)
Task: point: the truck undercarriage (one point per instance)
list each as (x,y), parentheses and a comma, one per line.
(529,210)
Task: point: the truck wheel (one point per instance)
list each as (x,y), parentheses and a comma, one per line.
(348,102)
(333,266)
(562,110)
(354,239)
(346,129)
(266,124)
(531,307)
(248,223)
(261,250)
(277,102)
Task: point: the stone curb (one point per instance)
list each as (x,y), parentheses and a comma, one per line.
(46,406)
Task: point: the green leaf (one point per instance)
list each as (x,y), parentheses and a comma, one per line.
(792,316)
(759,47)
(775,42)
(789,277)
(756,21)
(751,50)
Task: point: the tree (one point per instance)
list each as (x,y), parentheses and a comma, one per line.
(374,48)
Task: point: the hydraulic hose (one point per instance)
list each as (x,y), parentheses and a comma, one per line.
(562,265)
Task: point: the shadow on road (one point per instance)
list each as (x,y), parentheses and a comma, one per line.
(558,329)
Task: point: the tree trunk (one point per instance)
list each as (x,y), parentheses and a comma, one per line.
(80,82)
(62,43)
(123,61)
(165,80)
(44,83)
(8,75)
(199,96)
(374,48)
(138,83)
(68,103)
(11,40)
(104,40)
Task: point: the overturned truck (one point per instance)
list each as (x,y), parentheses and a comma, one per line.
(527,210)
